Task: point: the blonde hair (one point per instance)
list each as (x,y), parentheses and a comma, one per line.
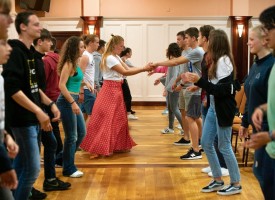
(5,5)
(89,38)
(259,31)
(115,40)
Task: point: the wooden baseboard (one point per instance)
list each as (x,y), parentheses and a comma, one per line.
(148,103)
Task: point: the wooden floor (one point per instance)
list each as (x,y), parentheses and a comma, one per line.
(152,170)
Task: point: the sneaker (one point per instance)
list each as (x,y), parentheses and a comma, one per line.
(191,155)
(225,172)
(179,127)
(167,130)
(76,174)
(230,189)
(37,195)
(133,112)
(182,142)
(132,117)
(55,185)
(199,143)
(201,150)
(165,112)
(206,170)
(213,186)
(58,166)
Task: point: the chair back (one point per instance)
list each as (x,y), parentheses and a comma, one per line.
(239,97)
(242,106)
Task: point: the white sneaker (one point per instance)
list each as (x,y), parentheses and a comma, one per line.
(165,112)
(206,170)
(132,117)
(179,127)
(225,172)
(167,130)
(77,174)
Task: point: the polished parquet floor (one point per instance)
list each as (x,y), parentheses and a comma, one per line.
(151,171)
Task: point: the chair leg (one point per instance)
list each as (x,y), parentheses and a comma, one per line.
(246,157)
(236,143)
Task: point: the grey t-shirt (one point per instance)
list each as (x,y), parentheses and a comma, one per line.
(195,57)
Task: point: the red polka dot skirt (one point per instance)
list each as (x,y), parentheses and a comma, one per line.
(107,130)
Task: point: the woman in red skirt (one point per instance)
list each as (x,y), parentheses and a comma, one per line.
(107,130)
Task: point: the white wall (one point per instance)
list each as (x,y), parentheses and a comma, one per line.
(148,38)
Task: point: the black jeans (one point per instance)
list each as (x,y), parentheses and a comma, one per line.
(127,95)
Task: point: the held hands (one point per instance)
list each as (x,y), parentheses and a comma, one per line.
(148,67)
(190,77)
(257,118)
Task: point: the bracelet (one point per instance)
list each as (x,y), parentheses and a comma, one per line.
(271,136)
(81,93)
(50,105)
(72,102)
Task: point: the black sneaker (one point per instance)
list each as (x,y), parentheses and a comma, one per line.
(182,142)
(201,150)
(191,155)
(55,185)
(37,195)
(213,186)
(230,189)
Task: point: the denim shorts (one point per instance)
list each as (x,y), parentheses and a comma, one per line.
(89,100)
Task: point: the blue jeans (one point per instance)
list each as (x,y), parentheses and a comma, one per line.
(211,129)
(27,162)
(204,110)
(50,144)
(89,100)
(74,129)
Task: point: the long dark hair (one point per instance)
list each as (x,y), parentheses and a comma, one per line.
(69,53)
(125,51)
(173,51)
(218,47)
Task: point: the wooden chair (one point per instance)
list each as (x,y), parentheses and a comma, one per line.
(238,99)
(237,121)
(246,150)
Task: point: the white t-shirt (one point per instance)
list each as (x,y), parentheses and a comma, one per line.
(89,74)
(224,69)
(110,74)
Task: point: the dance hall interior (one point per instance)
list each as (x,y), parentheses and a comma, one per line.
(154,168)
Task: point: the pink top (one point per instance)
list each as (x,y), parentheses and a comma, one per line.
(161,69)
